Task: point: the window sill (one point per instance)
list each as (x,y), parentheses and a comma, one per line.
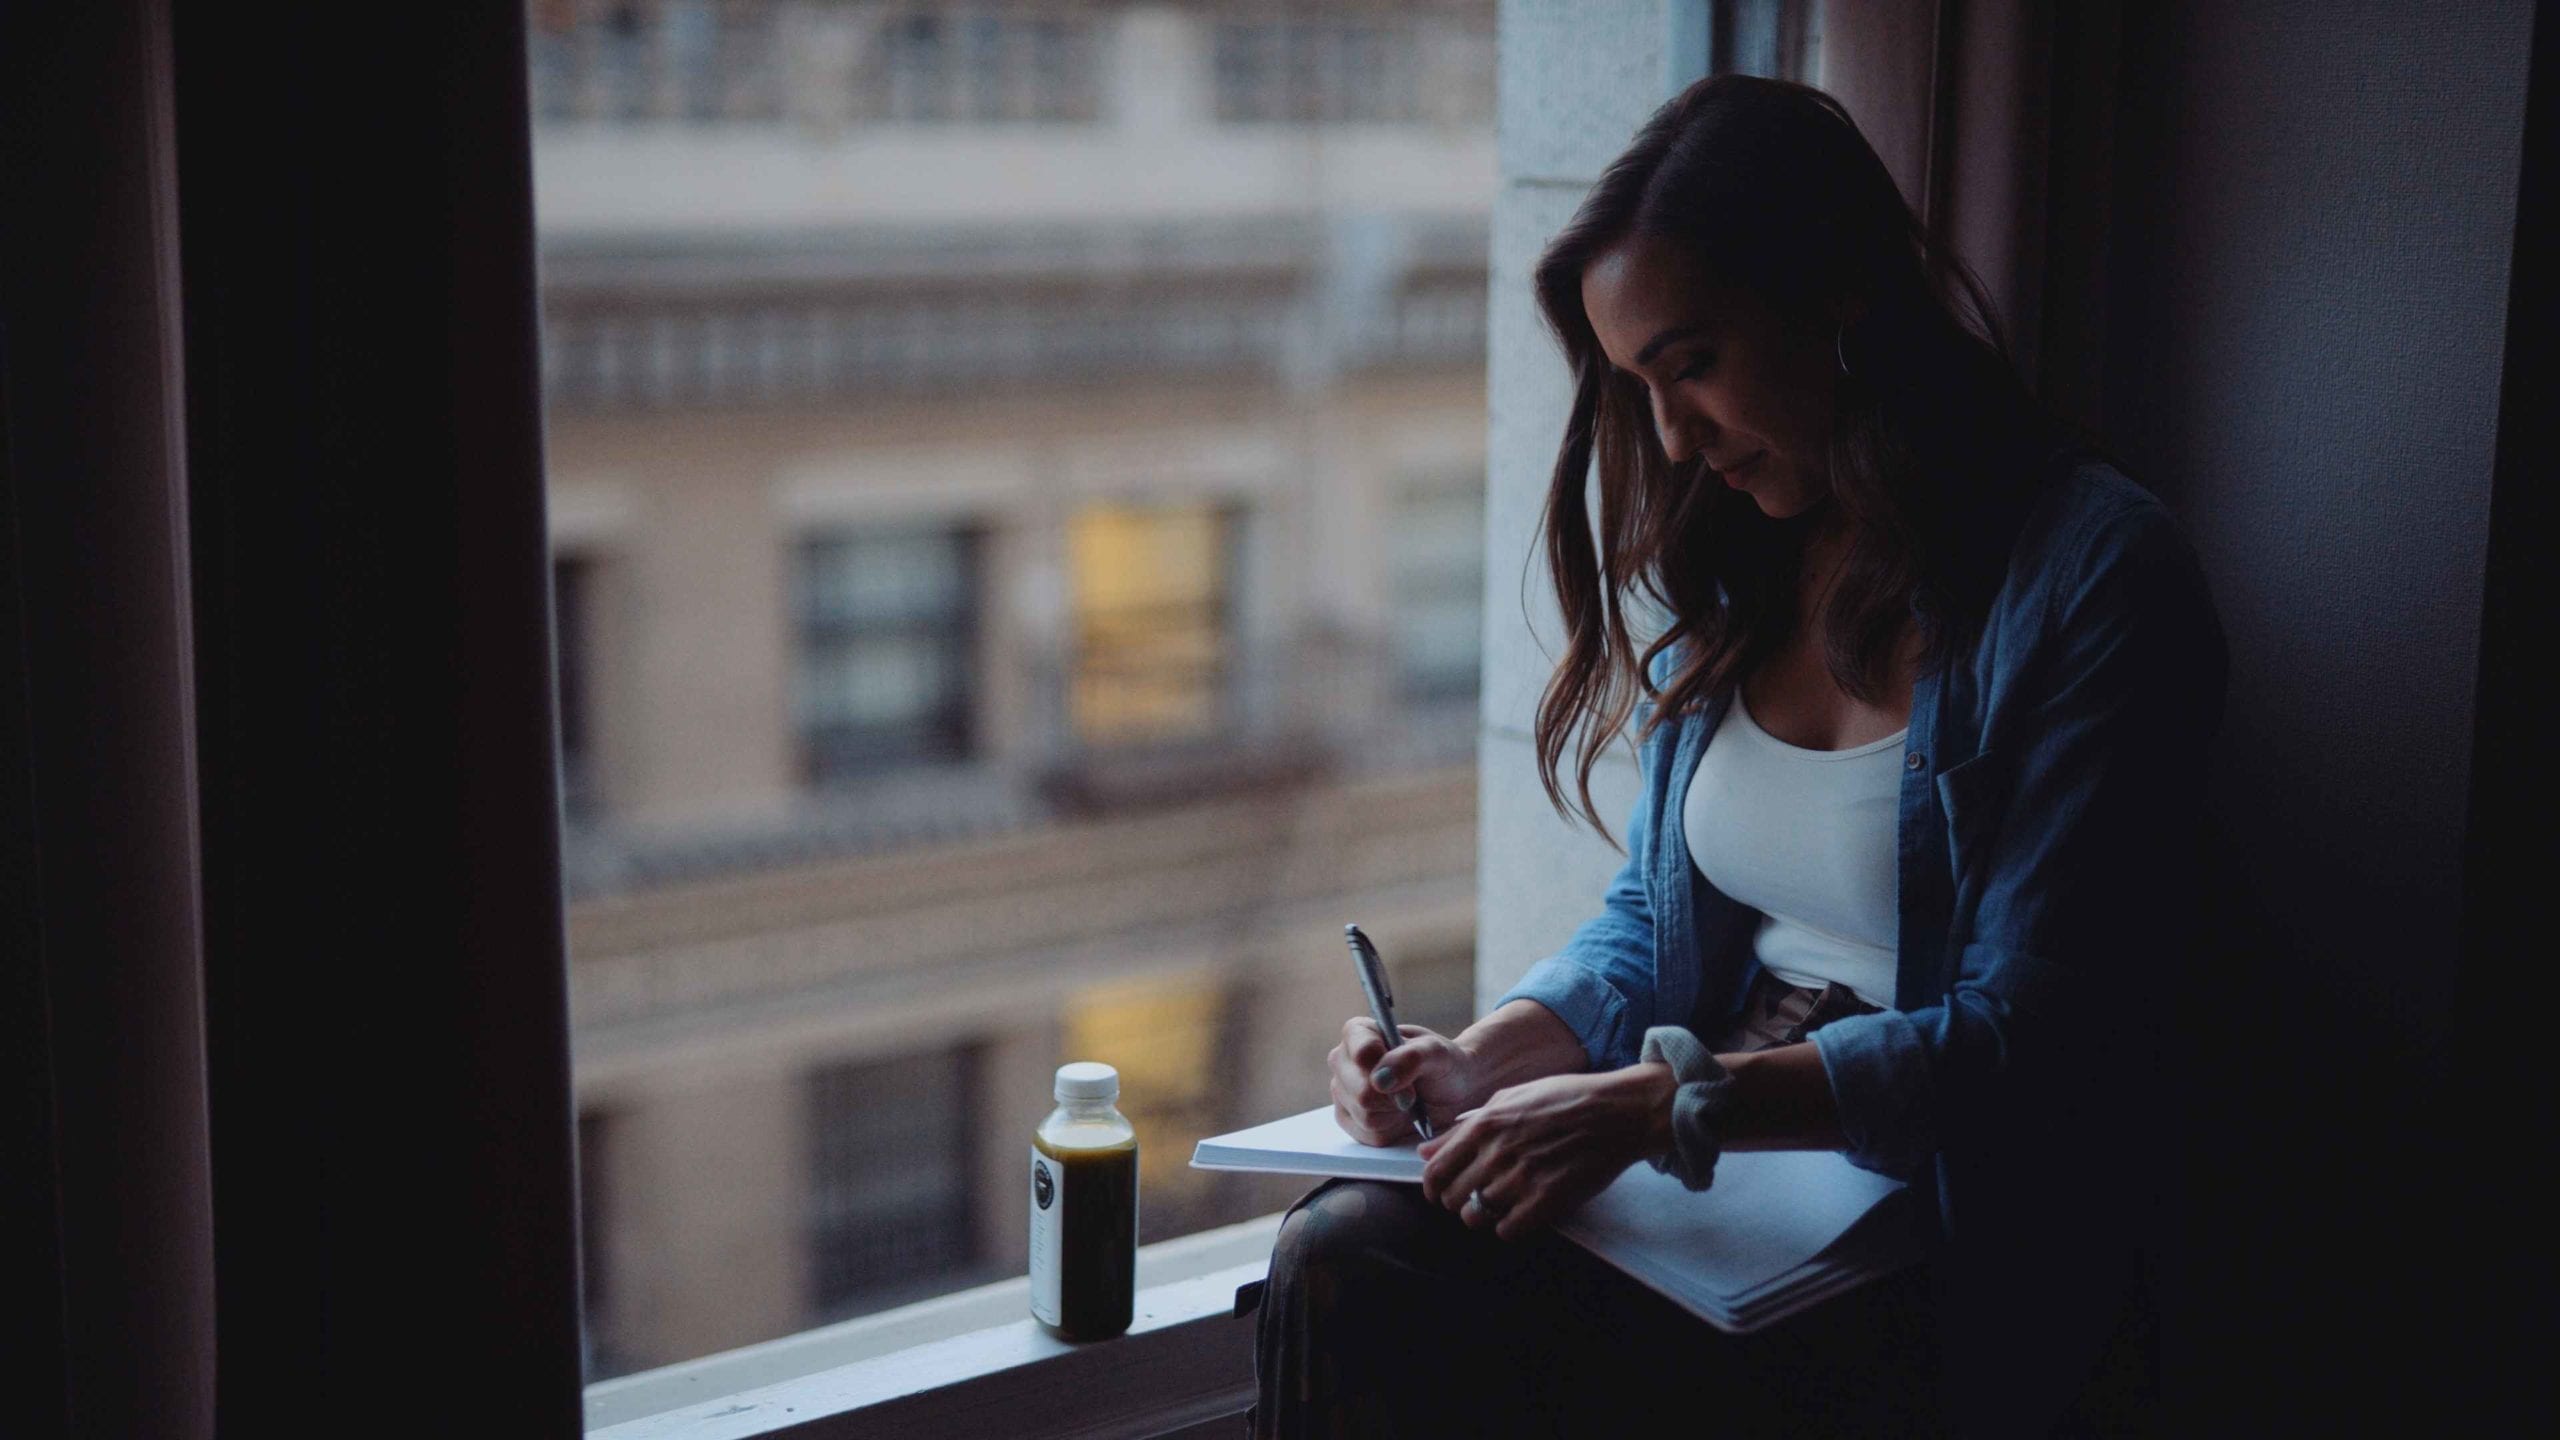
(974,1362)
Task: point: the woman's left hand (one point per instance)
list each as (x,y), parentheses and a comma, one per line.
(1539,1149)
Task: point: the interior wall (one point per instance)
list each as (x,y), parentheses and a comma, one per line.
(2305,363)
(2313,230)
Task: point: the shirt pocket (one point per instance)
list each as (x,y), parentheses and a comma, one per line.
(1974,794)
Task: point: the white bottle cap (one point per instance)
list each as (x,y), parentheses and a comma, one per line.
(1088,1080)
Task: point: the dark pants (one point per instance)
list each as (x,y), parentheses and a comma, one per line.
(1385,1315)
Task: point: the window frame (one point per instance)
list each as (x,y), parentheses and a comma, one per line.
(975,1360)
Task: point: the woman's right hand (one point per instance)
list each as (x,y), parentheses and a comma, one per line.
(1424,1064)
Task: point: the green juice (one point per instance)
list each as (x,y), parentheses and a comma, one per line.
(1084,1209)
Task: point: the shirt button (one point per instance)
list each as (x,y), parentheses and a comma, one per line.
(1916,762)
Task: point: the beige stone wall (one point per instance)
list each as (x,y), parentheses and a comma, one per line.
(698,1013)
(691,518)
(706,1178)
(699,1010)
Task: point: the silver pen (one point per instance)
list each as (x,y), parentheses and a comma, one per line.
(1382,1001)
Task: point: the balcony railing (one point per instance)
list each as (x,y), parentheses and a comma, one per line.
(831,65)
(705,61)
(1274,717)
(776,350)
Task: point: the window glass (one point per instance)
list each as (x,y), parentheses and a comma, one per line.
(1353,66)
(889,1204)
(1439,576)
(1013,501)
(1161,1033)
(1150,607)
(886,634)
(980,64)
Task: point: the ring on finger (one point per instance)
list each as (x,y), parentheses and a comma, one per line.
(1476,1199)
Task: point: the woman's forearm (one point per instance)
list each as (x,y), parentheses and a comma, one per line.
(1781,1101)
(1781,1097)
(1523,1040)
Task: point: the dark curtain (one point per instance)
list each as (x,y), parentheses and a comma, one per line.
(1998,119)
(290,1131)
(108,1208)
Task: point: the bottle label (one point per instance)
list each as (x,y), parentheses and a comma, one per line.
(1048,1234)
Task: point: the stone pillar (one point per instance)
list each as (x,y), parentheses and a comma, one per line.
(1577,77)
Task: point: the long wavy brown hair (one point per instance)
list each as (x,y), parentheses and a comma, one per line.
(1935,446)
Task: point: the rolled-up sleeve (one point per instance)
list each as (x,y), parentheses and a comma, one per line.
(1601,984)
(2080,857)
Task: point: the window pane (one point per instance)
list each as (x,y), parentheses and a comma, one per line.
(1439,575)
(1016,574)
(1162,1035)
(886,637)
(888,1182)
(1150,607)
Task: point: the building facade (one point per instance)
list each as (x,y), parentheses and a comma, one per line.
(1016,480)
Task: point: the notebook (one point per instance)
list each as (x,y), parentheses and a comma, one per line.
(1780,1230)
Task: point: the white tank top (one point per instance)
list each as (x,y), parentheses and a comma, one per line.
(1805,837)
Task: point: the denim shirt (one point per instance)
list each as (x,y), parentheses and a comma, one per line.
(2048,831)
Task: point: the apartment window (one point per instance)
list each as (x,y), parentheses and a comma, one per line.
(1150,595)
(1438,319)
(1317,70)
(628,60)
(1439,588)
(981,64)
(932,643)
(888,625)
(1163,1035)
(890,1218)
(1458,67)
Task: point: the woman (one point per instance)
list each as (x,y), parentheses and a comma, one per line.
(1912,874)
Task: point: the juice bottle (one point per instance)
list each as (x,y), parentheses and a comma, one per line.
(1084,1207)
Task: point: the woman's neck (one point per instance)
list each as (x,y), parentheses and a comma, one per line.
(1826,545)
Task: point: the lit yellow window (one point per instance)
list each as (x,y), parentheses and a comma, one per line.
(1150,608)
(1161,1033)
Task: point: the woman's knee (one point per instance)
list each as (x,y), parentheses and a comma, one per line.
(1347,1222)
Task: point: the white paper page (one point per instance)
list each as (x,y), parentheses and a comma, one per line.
(1769,1212)
(1888,1235)
(1715,1252)
(1309,1144)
